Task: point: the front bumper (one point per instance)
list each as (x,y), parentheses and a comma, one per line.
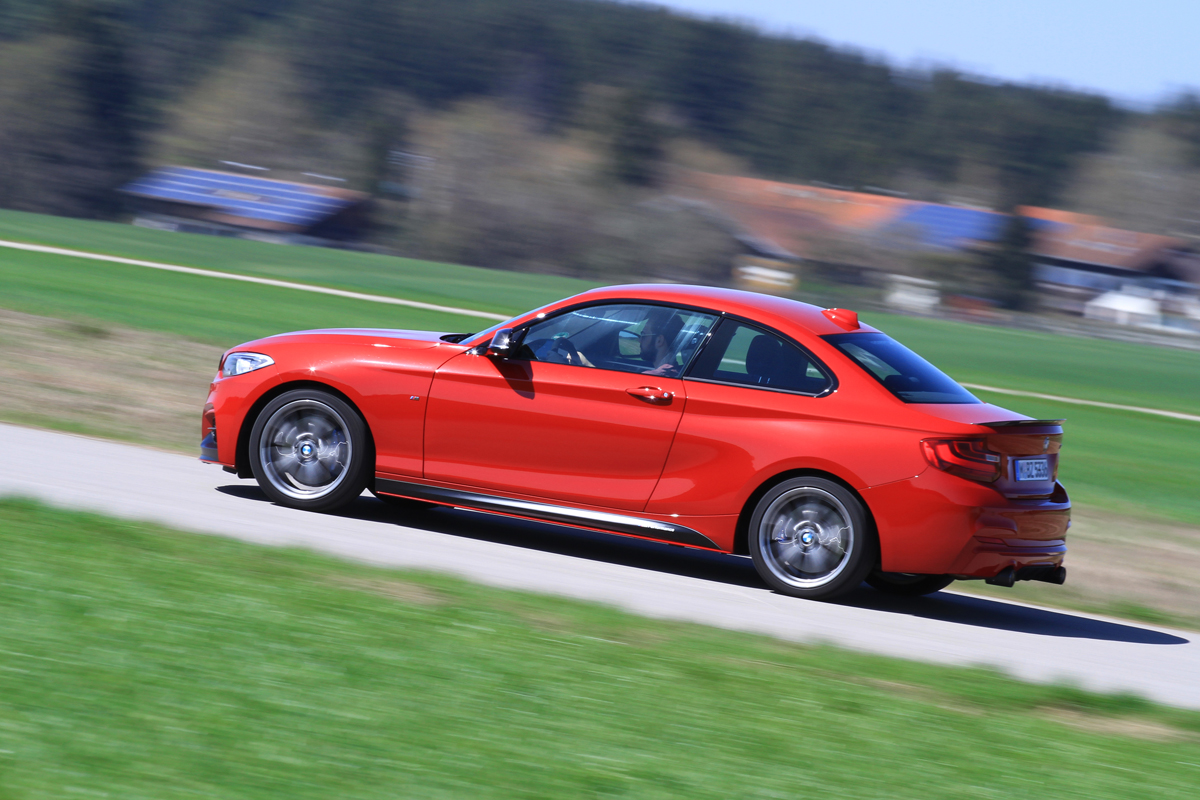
(229,401)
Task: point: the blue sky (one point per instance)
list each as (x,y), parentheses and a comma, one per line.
(1137,52)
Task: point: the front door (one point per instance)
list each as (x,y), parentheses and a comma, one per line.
(585,412)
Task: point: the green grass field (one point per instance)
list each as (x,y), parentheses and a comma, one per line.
(205,309)
(426,281)
(1115,460)
(138,662)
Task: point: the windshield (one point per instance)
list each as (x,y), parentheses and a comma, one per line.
(486,335)
(901,371)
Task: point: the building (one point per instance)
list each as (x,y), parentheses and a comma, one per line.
(1079,260)
(230,204)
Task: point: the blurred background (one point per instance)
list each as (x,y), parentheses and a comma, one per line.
(610,142)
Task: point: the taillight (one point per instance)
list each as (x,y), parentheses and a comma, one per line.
(967,458)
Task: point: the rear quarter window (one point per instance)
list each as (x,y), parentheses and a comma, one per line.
(901,371)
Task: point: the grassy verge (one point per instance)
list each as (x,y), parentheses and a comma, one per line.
(444,284)
(140,662)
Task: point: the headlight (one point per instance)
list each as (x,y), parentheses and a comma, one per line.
(241,363)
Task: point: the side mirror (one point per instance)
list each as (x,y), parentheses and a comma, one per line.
(501,344)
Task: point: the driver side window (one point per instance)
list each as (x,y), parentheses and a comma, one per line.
(647,339)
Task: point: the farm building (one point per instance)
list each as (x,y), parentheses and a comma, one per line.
(230,204)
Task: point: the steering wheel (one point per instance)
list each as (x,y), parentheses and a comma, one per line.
(564,347)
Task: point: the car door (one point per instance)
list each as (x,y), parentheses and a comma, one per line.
(754,400)
(580,413)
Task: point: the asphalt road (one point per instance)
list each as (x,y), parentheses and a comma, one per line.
(649,579)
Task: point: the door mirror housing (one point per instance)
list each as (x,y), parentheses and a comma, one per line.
(501,345)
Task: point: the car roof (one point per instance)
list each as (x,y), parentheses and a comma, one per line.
(776,312)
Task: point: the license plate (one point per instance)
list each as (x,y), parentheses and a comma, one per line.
(1033,469)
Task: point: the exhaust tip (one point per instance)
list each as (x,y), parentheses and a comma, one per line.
(1005,577)
(1057,576)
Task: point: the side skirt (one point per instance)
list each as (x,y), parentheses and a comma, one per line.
(598,520)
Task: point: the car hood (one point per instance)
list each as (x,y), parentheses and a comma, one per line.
(388,336)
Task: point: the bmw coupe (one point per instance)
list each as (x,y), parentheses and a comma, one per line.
(731,421)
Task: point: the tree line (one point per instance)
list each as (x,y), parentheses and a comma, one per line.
(793,109)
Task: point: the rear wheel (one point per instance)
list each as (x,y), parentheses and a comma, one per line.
(809,537)
(309,449)
(908,585)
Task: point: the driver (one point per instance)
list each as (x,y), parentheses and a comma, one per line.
(657,336)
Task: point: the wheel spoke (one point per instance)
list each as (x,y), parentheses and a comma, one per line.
(319,426)
(285,436)
(819,560)
(832,541)
(313,474)
(790,553)
(331,460)
(285,463)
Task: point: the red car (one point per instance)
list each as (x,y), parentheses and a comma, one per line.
(703,417)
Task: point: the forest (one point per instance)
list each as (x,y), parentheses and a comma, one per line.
(577,104)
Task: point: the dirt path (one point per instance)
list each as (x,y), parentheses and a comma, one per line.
(1075,401)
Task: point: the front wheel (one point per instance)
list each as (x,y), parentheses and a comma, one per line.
(908,585)
(810,537)
(309,449)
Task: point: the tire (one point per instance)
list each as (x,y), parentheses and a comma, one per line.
(811,538)
(908,585)
(310,450)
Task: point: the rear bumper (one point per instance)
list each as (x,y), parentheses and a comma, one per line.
(937,523)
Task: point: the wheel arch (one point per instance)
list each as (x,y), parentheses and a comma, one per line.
(242,454)
(741,545)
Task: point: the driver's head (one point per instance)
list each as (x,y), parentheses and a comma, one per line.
(666,324)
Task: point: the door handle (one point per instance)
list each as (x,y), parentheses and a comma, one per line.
(651,394)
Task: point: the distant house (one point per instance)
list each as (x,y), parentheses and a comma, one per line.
(938,227)
(229,204)
(785,216)
(1124,309)
(1078,259)
(792,216)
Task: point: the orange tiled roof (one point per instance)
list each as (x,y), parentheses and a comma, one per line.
(834,206)
(788,214)
(1057,215)
(1104,246)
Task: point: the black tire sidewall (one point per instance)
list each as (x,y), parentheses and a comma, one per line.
(361,452)
(862,556)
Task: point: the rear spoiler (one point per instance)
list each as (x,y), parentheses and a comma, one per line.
(1022,423)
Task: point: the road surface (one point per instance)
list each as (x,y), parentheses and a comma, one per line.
(653,580)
